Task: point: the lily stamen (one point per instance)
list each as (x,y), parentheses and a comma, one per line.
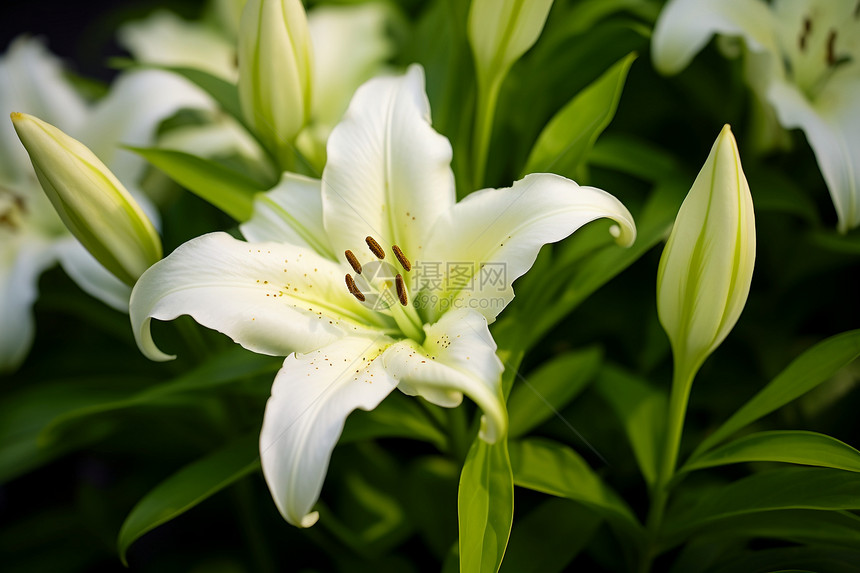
(401,258)
(374,247)
(353,289)
(401,290)
(353,262)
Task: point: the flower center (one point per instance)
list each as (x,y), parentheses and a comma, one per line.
(12,210)
(817,50)
(379,285)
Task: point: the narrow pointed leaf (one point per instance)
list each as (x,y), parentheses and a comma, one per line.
(231,366)
(807,526)
(486,506)
(539,396)
(794,447)
(229,190)
(188,487)
(813,367)
(636,157)
(549,467)
(641,410)
(565,141)
(786,488)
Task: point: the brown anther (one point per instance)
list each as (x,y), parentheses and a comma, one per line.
(375,248)
(404,262)
(401,290)
(353,262)
(831,48)
(350,284)
(807,28)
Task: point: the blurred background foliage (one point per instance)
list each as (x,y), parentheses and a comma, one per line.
(83,435)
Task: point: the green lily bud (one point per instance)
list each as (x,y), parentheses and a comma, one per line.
(275,72)
(90,200)
(706,268)
(500,31)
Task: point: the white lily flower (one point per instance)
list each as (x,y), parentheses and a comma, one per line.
(386,205)
(32,237)
(803,59)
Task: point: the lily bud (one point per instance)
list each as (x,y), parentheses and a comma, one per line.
(275,72)
(706,268)
(500,31)
(90,200)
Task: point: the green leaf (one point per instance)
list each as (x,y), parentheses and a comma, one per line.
(813,367)
(567,138)
(550,537)
(785,488)
(806,526)
(642,410)
(229,190)
(793,560)
(231,366)
(789,446)
(587,13)
(430,481)
(188,487)
(636,157)
(24,415)
(549,467)
(486,505)
(398,416)
(369,517)
(550,388)
(848,244)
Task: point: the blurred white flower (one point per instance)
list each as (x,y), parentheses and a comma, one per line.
(32,237)
(350,44)
(803,59)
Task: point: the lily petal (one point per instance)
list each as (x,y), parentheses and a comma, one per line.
(271,298)
(457,357)
(494,236)
(31,81)
(165,39)
(832,126)
(388,173)
(22,260)
(350,43)
(311,398)
(91,276)
(686,26)
(154,96)
(290,213)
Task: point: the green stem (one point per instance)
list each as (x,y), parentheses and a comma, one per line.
(682,382)
(488,95)
(459,432)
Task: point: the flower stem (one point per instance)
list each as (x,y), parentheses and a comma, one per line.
(682,382)
(488,95)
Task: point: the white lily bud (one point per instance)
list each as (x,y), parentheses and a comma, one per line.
(275,72)
(706,268)
(500,31)
(90,200)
